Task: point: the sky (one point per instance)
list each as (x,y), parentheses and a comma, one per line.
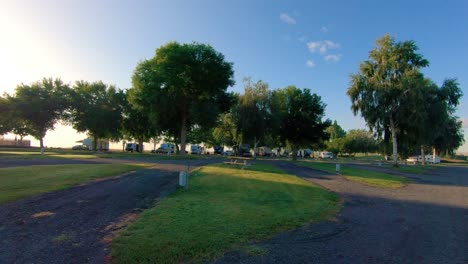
(309,44)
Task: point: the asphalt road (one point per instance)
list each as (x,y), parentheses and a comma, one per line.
(81,216)
(424,222)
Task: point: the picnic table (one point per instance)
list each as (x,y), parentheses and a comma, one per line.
(238,161)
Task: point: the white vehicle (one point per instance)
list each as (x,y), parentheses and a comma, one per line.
(166,148)
(326,155)
(195,149)
(264,151)
(428,159)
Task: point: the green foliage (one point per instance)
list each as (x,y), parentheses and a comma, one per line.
(39,106)
(97,109)
(298,115)
(183,85)
(379,89)
(335,131)
(252,114)
(223,209)
(136,123)
(5,116)
(226,133)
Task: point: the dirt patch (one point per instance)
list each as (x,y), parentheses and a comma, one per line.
(115,228)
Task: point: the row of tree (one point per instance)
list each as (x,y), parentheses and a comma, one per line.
(181,94)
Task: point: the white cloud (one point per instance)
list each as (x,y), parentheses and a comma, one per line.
(287,19)
(333,57)
(310,63)
(324,29)
(322,46)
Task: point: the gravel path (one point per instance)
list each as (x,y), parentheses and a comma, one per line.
(74,231)
(424,222)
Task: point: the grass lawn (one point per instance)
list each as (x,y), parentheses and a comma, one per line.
(373,178)
(21,182)
(224,208)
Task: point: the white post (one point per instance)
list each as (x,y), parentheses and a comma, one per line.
(183,179)
(338,168)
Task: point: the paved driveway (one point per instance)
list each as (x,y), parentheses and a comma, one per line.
(81,216)
(424,222)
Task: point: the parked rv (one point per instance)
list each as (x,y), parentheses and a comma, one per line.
(195,149)
(264,151)
(244,150)
(166,148)
(132,147)
(326,155)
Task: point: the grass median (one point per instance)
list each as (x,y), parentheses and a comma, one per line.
(22,182)
(224,208)
(373,178)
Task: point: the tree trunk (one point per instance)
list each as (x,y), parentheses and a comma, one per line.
(294,154)
(434,154)
(255,148)
(183,135)
(95,139)
(123,145)
(394,142)
(423,156)
(140,145)
(41,142)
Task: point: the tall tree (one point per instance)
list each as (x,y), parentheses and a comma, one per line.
(97,109)
(335,131)
(41,105)
(227,133)
(252,113)
(136,123)
(184,85)
(300,115)
(377,90)
(5,116)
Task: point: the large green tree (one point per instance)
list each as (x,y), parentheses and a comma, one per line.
(252,113)
(5,116)
(335,131)
(377,90)
(184,85)
(136,123)
(299,115)
(39,106)
(97,109)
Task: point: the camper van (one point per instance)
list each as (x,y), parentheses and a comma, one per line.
(326,155)
(132,147)
(166,148)
(264,151)
(195,149)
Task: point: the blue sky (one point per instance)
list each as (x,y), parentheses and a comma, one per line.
(310,44)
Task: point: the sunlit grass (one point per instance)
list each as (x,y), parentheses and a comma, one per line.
(223,209)
(373,178)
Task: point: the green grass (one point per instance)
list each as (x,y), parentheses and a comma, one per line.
(373,178)
(20,182)
(223,209)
